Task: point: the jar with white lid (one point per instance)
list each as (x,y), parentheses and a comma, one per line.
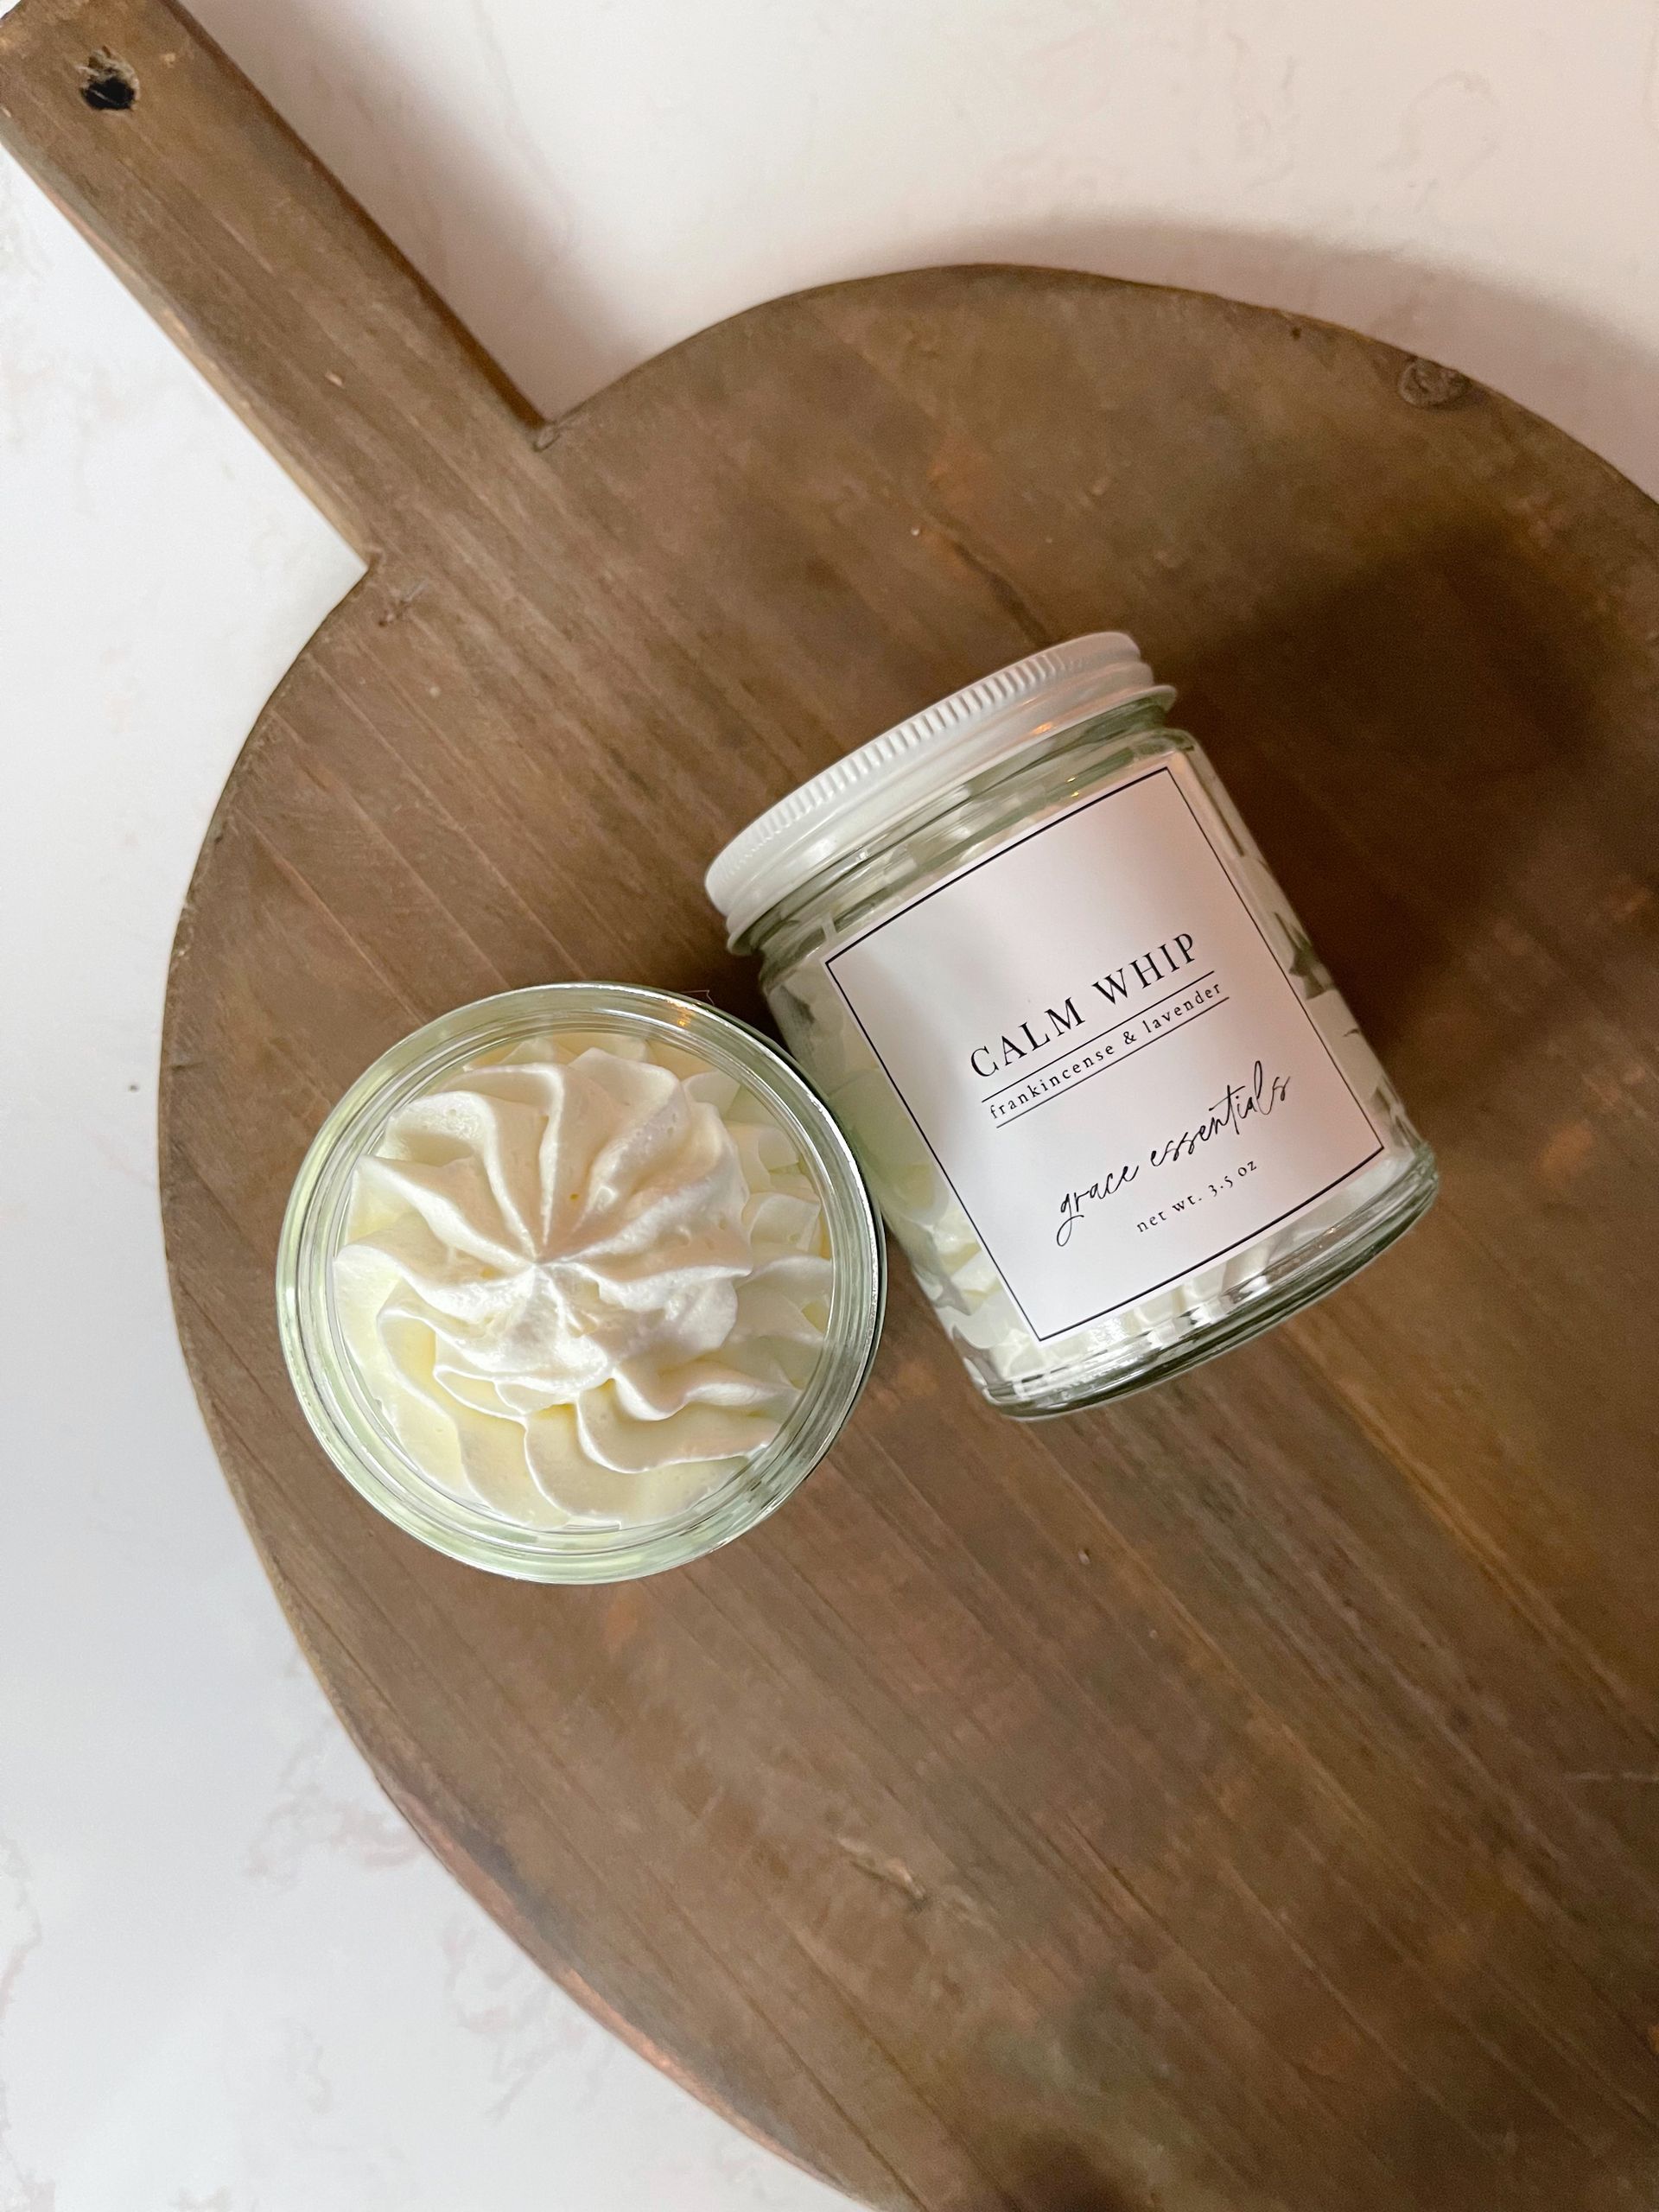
(1108,1098)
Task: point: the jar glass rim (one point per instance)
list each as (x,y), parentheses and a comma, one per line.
(350,1428)
(881,784)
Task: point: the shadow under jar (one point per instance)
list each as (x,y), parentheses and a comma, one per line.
(1108,1098)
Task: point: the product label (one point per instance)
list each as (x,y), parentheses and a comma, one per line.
(1096,1041)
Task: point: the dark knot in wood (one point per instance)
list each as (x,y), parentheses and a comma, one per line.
(1427,384)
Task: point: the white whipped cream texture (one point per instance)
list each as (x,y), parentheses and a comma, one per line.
(582,1283)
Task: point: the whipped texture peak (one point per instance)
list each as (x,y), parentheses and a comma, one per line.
(584,1280)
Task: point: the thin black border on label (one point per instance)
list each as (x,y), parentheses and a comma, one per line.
(1164,769)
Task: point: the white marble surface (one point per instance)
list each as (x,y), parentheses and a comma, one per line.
(229,1979)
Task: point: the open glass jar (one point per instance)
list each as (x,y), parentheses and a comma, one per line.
(1109,1101)
(501,1226)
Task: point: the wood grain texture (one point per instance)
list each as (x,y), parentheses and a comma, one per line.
(1244,1798)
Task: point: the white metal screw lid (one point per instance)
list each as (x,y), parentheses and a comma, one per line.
(899,772)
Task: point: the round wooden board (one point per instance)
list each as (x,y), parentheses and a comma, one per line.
(1243,1797)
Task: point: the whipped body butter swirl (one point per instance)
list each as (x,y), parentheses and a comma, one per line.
(1110,1101)
(593,1278)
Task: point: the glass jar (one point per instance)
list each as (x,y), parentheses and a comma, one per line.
(343,1412)
(1110,1101)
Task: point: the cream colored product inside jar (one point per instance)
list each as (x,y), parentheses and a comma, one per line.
(578,1282)
(584,1279)
(1108,1098)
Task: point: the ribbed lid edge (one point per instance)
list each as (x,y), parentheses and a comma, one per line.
(899,771)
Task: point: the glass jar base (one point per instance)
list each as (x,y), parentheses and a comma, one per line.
(1305,1278)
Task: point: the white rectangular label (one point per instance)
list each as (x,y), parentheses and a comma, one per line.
(1104,1054)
